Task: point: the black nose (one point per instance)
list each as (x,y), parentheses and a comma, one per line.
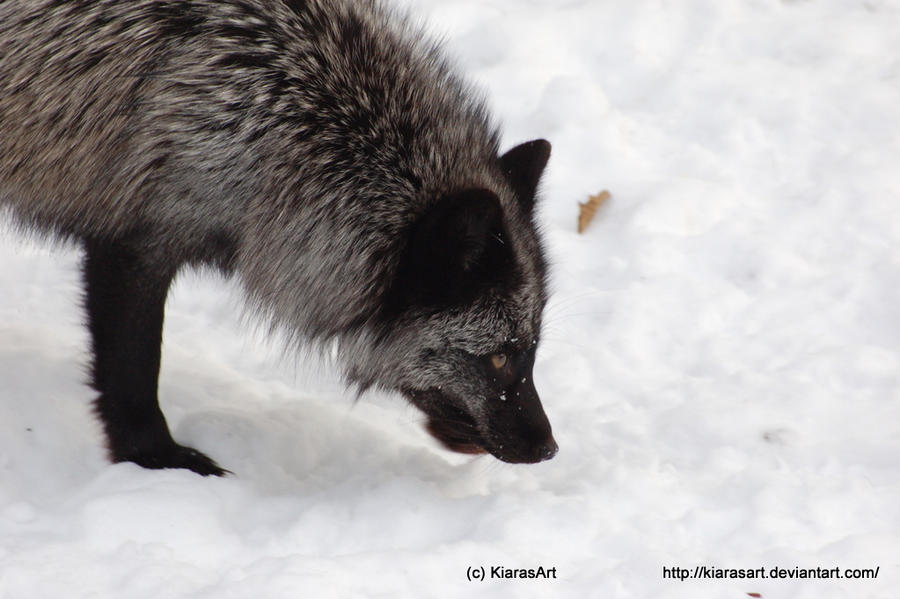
(547,450)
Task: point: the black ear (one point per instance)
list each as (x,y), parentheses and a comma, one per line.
(523,166)
(452,247)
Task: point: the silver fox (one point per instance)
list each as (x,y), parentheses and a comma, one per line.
(323,152)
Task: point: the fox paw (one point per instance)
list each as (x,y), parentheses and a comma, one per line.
(176,456)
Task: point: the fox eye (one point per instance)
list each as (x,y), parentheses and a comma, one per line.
(499,360)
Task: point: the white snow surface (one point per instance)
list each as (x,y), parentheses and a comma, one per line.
(720,362)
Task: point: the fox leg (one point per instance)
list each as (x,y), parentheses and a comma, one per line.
(125,301)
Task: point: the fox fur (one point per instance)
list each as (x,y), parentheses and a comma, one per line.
(325,153)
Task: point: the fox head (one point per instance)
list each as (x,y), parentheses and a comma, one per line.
(465,316)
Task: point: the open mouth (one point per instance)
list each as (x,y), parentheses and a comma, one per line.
(451,426)
(456,431)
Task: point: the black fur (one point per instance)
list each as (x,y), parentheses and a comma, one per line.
(456,252)
(125,299)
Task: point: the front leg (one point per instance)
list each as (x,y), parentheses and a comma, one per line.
(126,295)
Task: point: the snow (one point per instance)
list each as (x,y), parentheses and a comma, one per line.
(720,362)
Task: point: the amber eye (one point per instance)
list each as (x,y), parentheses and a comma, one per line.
(499,360)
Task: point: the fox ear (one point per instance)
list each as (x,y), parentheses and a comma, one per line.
(523,166)
(452,245)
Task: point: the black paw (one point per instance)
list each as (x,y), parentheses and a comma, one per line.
(177,456)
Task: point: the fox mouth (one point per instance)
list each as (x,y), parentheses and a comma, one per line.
(456,431)
(451,426)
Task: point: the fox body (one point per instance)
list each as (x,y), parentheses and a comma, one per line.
(323,152)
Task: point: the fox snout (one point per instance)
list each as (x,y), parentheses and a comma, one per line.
(516,428)
(510,425)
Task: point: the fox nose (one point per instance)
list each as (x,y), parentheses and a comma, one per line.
(547,450)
